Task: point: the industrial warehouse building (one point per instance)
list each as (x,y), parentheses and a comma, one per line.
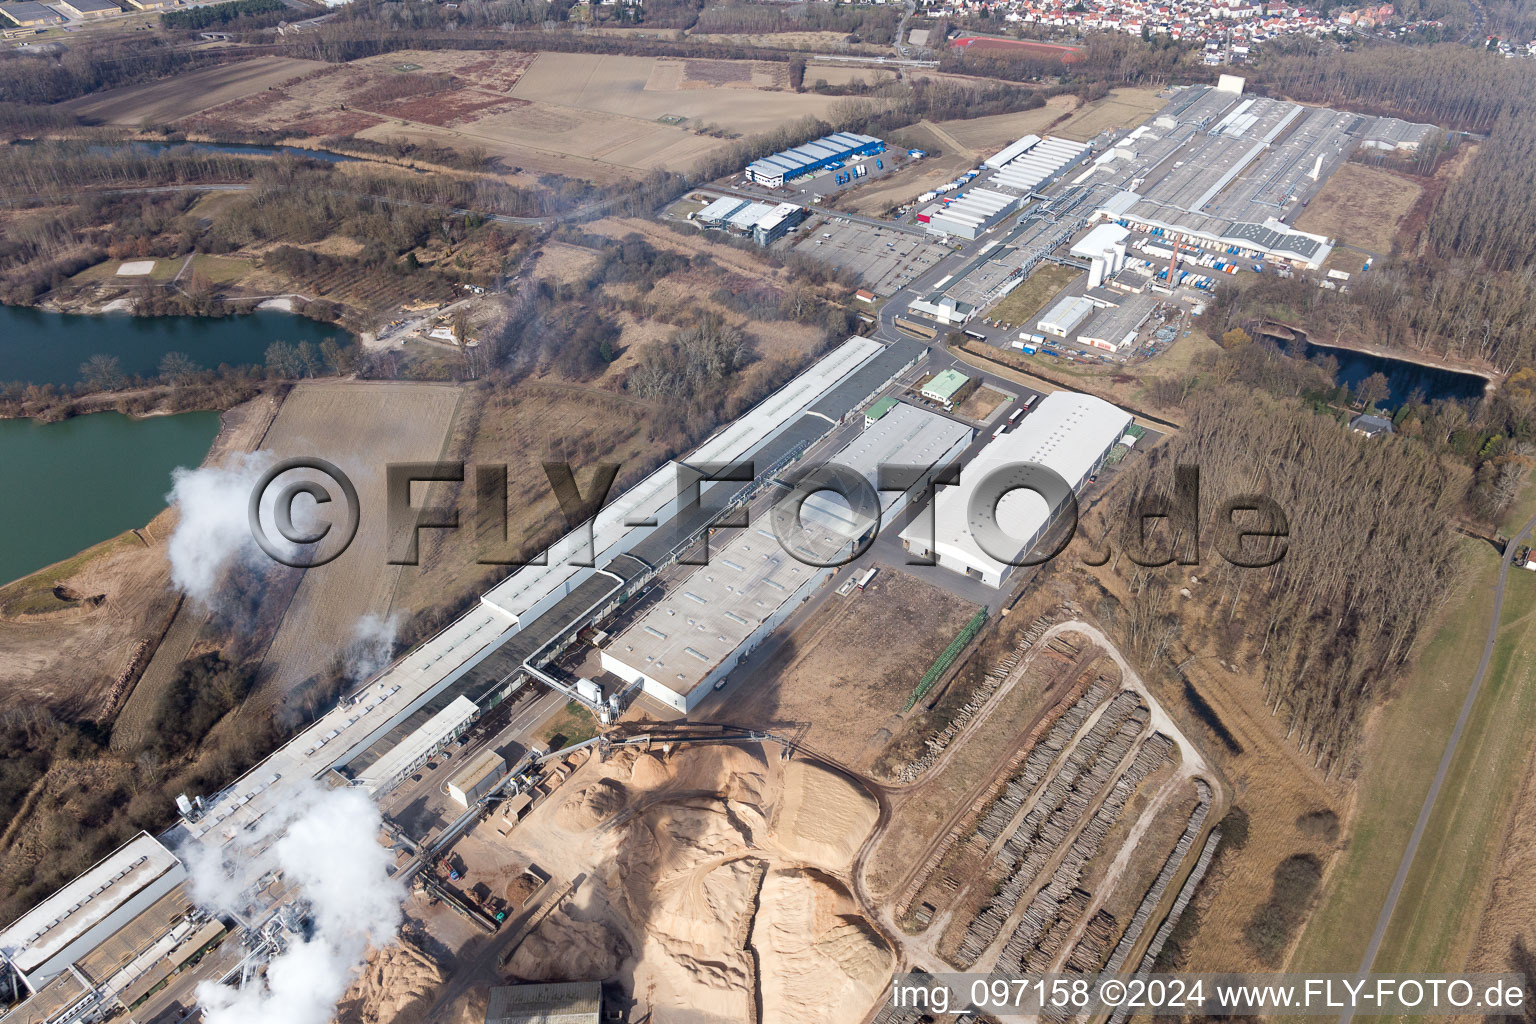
(478,778)
(944,386)
(422,701)
(774,171)
(1066,315)
(976,210)
(765,222)
(775,224)
(30,14)
(1114,327)
(1105,250)
(1222,172)
(573,1002)
(108,939)
(705,622)
(721,210)
(1029,168)
(1069,434)
(89,9)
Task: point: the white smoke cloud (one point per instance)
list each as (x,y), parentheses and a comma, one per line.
(372,646)
(213,529)
(327,848)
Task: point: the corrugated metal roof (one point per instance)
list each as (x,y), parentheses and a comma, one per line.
(576,1002)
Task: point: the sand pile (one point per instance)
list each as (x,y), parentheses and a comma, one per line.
(681,878)
(684,877)
(396,987)
(650,771)
(820,960)
(591,805)
(563,948)
(824,817)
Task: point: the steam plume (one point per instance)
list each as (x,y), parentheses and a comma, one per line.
(327,848)
(212,528)
(372,646)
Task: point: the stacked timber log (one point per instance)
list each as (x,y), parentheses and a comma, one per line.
(1038,761)
(1036,755)
(1033,950)
(1065,798)
(1094,945)
(1187,893)
(1154,896)
(935,745)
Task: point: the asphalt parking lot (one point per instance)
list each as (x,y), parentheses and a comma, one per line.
(885,259)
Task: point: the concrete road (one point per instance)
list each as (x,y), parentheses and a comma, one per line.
(1446,758)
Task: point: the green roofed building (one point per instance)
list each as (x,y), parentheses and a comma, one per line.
(944,386)
(879,409)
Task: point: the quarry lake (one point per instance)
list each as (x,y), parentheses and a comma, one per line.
(40,347)
(72,484)
(82,481)
(1404,377)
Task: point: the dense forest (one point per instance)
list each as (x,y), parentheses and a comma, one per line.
(1334,619)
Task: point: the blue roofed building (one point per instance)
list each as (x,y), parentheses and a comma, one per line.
(787,165)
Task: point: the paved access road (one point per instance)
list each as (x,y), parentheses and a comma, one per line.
(1446,758)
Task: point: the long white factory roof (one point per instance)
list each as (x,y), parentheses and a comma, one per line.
(721,209)
(746,218)
(420,743)
(1066,433)
(703,617)
(1099,238)
(1066,314)
(1011,151)
(529,586)
(467,640)
(905,436)
(130,878)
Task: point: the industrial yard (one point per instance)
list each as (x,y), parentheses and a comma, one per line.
(740,744)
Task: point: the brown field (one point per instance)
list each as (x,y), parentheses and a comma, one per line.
(846,672)
(917,176)
(597,116)
(174,98)
(361,426)
(1361,206)
(564,263)
(742,96)
(540,420)
(981,404)
(986,135)
(349,99)
(69,657)
(835,74)
(1122,108)
(583,115)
